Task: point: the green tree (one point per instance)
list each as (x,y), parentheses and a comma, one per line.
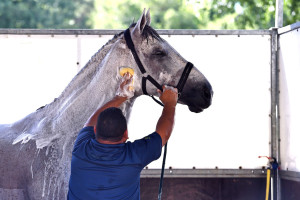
(291,12)
(255,14)
(167,14)
(196,14)
(46,13)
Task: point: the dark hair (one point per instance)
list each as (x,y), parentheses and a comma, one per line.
(149,31)
(111,125)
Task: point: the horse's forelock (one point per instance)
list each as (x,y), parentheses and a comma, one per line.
(148,32)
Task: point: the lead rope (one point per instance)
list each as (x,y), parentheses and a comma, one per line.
(164,159)
(186,72)
(162,172)
(179,86)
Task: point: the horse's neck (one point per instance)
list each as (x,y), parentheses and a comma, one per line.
(75,107)
(91,88)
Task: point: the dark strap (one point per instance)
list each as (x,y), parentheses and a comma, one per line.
(157,101)
(184,76)
(132,49)
(153,81)
(144,84)
(162,173)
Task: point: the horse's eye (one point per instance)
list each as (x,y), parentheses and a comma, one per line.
(159,53)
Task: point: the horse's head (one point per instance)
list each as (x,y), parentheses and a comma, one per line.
(166,66)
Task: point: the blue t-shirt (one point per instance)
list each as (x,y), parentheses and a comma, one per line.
(106,171)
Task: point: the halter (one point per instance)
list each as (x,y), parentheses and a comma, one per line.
(182,80)
(180,85)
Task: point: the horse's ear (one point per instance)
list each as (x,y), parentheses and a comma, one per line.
(148,17)
(141,23)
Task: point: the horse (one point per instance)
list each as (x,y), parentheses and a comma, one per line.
(36,150)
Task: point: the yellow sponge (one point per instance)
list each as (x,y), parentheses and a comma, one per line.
(124,70)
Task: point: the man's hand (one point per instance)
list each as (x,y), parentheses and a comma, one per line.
(169,96)
(126,88)
(165,124)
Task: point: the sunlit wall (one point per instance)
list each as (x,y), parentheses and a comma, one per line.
(233,132)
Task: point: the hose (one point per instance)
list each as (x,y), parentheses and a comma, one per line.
(268,183)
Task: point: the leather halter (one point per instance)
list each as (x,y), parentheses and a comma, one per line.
(179,87)
(182,79)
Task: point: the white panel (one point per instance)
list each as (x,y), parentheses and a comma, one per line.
(233,132)
(289,64)
(33,71)
(90,45)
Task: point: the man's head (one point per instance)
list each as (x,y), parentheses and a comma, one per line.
(111,125)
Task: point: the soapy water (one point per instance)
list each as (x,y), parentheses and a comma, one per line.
(126,89)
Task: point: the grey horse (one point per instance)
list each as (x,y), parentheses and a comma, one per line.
(36,151)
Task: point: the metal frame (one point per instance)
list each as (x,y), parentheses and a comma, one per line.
(205,173)
(290,175)
(279,14)
(113,32)
(275,134)
(288,28)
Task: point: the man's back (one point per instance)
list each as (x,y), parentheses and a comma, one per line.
(109,171)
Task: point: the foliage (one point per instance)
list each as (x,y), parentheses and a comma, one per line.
(46,13)
(196,14)
(165,14)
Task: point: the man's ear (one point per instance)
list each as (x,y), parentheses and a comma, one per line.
(95,130)
(125,136)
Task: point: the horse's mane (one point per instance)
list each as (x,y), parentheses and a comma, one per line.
(88,71)
(83,77)
(101,53)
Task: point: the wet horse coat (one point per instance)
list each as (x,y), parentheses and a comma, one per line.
(36,151)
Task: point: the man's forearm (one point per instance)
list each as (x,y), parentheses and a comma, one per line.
(165,123)
(115,102)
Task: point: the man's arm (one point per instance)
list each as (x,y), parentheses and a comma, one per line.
(165,123)
(122,95)
(115,102)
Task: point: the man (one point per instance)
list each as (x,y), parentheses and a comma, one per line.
(104,165)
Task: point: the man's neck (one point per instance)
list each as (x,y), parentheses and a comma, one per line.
(110,142)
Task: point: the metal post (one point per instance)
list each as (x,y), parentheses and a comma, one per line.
(78,53)
(279,14)
(275,135)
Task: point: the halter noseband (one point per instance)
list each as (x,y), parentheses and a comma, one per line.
(182,79)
